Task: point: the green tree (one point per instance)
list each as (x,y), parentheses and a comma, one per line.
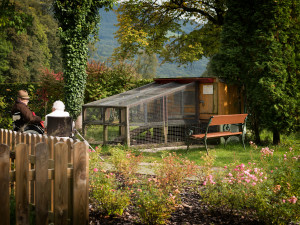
(29,40)
(77,21)
(260,52)
(147,65)
(104,81)
(156,27)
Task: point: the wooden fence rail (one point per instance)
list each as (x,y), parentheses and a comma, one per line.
(44,175)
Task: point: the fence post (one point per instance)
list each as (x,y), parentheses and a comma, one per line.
(60,183)
(22,215)
(1,136)
(4,184)
(80,184)
(41,184)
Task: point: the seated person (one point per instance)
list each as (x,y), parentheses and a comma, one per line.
(58,110)
(24,119)
(59,123)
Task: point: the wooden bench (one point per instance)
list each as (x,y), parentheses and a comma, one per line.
(238,119)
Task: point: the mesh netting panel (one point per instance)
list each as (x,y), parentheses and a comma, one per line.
(112,115)
(181,104)
(94,134)
(93,114)
(147,113)
(164,119)
(156,114)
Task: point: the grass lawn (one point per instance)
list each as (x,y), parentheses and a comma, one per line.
(225,155)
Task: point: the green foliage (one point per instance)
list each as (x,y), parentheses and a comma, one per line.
(28,40)
(259,52)
(157,27)
(269,187)
(126,163)
(5,122)
(154,206)
(77,20)
(5,49)
(51,86)
(147,65)
(103,81)
(173,170)
(105,194)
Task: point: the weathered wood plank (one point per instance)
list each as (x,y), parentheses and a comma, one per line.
(41,184)
(80,184)
(22,215)
(1,135)
(4,184)
(9,139)
(61,184)
(5,134)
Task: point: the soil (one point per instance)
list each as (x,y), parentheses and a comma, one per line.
(189,212)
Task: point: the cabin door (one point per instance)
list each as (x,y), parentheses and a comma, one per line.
(207,100)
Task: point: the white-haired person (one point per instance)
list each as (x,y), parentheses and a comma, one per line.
(58,110)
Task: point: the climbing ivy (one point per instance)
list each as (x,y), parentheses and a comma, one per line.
(77,20)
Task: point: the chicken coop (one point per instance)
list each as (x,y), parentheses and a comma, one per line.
(159,112)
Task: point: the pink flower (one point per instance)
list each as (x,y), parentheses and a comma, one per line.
(225,167)
(95,170)
(293,200)
(290,148)
(204,183)
(283,200)
(140,190)
(271,171)
(229,174)
(253,184)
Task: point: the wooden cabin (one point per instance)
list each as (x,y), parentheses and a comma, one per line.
(161,111)
(213,96)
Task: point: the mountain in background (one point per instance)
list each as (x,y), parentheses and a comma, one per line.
(107,43)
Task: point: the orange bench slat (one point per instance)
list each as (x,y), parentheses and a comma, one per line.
(228,119)
(216,134)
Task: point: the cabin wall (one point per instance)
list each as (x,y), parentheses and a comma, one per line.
(219,98)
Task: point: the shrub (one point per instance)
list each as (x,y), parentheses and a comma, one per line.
(269,187)
(106,193)
(126,163)
(154,205)
(173,170)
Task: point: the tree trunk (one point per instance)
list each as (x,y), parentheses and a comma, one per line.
(256,132)
(276,137)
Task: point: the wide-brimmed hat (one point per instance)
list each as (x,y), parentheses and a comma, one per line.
(23,94)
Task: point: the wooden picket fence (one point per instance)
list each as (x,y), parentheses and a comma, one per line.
(43,176)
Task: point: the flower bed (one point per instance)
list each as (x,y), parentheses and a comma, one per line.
(266,190)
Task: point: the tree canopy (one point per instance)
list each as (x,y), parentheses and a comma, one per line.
(260,53)
(28,40)
(156,27)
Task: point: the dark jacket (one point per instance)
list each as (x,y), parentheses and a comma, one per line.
(26,115)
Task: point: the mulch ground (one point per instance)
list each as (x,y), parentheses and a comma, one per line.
(189,212)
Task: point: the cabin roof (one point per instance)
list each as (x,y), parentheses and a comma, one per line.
(148,92)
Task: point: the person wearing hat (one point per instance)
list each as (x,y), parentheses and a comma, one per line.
(21,113)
